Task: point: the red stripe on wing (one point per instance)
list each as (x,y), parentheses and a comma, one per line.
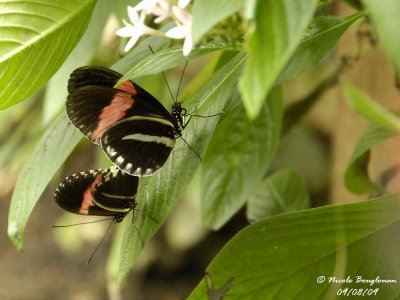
(112,113)
(88,197)
(128,87)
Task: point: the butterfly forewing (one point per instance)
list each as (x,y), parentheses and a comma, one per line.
(92,109)
(92,76)
(98,192)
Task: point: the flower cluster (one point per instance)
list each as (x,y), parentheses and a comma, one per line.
(162,10)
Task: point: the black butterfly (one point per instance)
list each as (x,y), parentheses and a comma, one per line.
(100,192)
(134,129)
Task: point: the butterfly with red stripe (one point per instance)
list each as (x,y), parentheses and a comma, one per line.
(134,129)
(100,192)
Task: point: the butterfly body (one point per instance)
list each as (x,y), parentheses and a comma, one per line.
(134,129)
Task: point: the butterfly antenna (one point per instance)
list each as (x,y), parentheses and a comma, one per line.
(209,116)
(102,240)
(165,79)
(190,147)
(180,81)
(83,223)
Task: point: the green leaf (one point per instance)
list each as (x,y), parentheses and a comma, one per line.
(15,124)
(203,74)
(56,90)
(371,110)
(323,35)
(282,192)
(356,176)
(282,257)
(278,29)
(47,157)
(387,24)
(169,58)
(157,194)
(36,38)
(237,158)
(205,18)
(215,61)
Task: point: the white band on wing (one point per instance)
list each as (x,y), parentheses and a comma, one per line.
(151,138)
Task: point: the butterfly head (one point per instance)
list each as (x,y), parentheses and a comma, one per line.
(118,218)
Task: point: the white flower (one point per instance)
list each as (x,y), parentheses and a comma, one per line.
(184,28)
(183,3)
(159,8)
(147,5)
(136,29)
(162,10)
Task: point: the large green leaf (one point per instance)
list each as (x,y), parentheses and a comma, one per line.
(371,110)
(158,193)
(36,36)
(283,257)
(205,18)
(356,176)
(320,39)
(237,159)
(56,89)
(278,29)
(16,124)
(282,192)
(387,23)
(48,155)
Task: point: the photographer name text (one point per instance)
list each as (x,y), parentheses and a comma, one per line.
(356,279)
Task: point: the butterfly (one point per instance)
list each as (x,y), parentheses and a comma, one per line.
(136,132)
(100,192)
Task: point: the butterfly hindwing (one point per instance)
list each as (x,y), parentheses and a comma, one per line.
(98,192)
(116,192)
(139,145)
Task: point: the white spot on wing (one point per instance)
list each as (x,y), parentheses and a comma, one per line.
(119,160)
(148,172)
(137,172)
(111,151)
(116,170)
(128,167)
